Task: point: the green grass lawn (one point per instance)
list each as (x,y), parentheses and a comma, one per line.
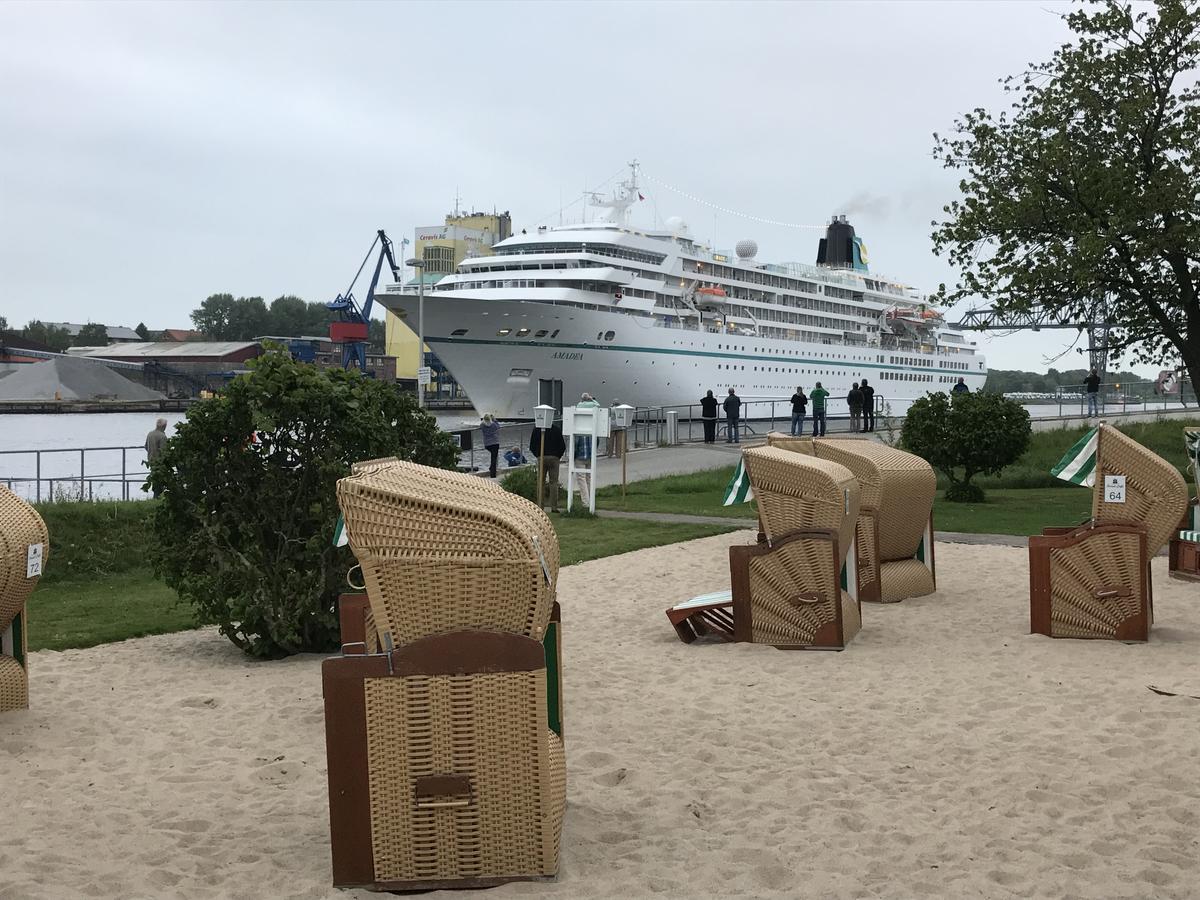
(1006,511)
(69,610)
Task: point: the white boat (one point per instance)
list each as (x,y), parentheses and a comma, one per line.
(655,318)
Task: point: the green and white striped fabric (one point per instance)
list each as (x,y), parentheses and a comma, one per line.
(738,490)
(1191,440)
(1193,536)
(1079,465)
(340,537)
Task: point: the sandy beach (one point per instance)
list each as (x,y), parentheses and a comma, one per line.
(946,753)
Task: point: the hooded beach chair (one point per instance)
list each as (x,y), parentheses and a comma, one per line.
(1093,580)
(895,520)
(24,548)
(446,763)
(791,588)
(1184,550)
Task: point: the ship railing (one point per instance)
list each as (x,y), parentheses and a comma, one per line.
(1116,398)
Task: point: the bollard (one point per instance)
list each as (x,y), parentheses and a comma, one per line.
(672,427)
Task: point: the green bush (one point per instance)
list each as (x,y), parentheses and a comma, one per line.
(964,436)
(245,524)
(523,483)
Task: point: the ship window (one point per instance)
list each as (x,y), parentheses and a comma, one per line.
(458,332)
(523,332)
(599,334)
(609,335)
(555,334)
(503,331)
(541,333)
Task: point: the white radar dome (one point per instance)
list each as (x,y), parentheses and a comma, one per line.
(676,225)
(746,249)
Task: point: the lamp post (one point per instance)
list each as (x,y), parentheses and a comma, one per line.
(419,266)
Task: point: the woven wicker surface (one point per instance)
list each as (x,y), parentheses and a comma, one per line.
(1156,495)
(488,727)
(442,551)
(900,579)
(866,537)
(1078,572)
(797,492)
(14,685)
(20,526)
(775,579)
(900,485)
(791,442)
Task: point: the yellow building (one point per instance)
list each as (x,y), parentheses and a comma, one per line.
(442,248)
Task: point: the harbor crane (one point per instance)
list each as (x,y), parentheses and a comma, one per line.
(1037,319)
(353,323)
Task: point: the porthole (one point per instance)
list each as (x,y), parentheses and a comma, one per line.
(458,332)
(503,332)
(522,332)
(540,334)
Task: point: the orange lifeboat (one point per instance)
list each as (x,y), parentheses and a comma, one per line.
(711,292)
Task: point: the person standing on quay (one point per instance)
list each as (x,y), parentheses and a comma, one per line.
(491,440)
(708,413)
(868,393)
(616,436)
(154,444)
(818,398)
(556,446)
(854,400)
(1092,383)
(733,415)
(961,387)
(799,408)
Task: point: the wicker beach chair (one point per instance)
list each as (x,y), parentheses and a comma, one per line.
(446,763)
(1184,549)
(24,545)
(895,521)
(791,589)
(1093,580)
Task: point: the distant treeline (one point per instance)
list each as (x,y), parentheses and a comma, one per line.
(1010,381)
(223,317)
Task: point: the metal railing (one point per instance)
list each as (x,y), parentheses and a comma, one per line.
(758,417)
(52,475)
(1115,398)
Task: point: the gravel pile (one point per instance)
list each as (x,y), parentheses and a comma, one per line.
(71,379)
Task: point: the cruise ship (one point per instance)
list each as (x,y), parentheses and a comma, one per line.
(656,318)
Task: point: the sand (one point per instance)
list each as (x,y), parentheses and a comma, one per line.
(946,753)
(72,379)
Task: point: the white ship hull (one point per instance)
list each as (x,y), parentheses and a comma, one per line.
(647,365)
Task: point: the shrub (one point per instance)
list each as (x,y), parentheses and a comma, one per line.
(523,483)
(245,524)
(975,434)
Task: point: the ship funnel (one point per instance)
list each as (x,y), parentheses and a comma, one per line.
(840,249)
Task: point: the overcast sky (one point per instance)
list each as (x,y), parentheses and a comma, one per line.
(153,154)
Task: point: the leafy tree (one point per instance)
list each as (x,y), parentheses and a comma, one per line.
(93,334)
(248,319)
(978,434)
(288,316)
(245,525)
(3,324)
(142,331)
(57,339)
(1087,187)
(212,319)
(377,335)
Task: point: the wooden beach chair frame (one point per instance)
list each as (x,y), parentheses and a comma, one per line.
(1092,581)
(766,602)
(455,644)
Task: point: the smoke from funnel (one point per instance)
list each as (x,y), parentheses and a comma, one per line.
(871,205)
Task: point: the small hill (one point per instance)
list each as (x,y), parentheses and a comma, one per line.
(71,379)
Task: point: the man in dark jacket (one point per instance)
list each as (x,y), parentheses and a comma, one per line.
(799,408)
(854,400)
(868,393)
(1092,383)
(708,413)
(960,388)
(733,415)
(556,446)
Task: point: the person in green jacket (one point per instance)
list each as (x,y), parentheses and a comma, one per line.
(817,397)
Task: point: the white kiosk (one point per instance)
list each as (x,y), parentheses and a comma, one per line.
(587,423)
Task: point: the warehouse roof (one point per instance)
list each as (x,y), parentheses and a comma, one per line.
(152,349)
